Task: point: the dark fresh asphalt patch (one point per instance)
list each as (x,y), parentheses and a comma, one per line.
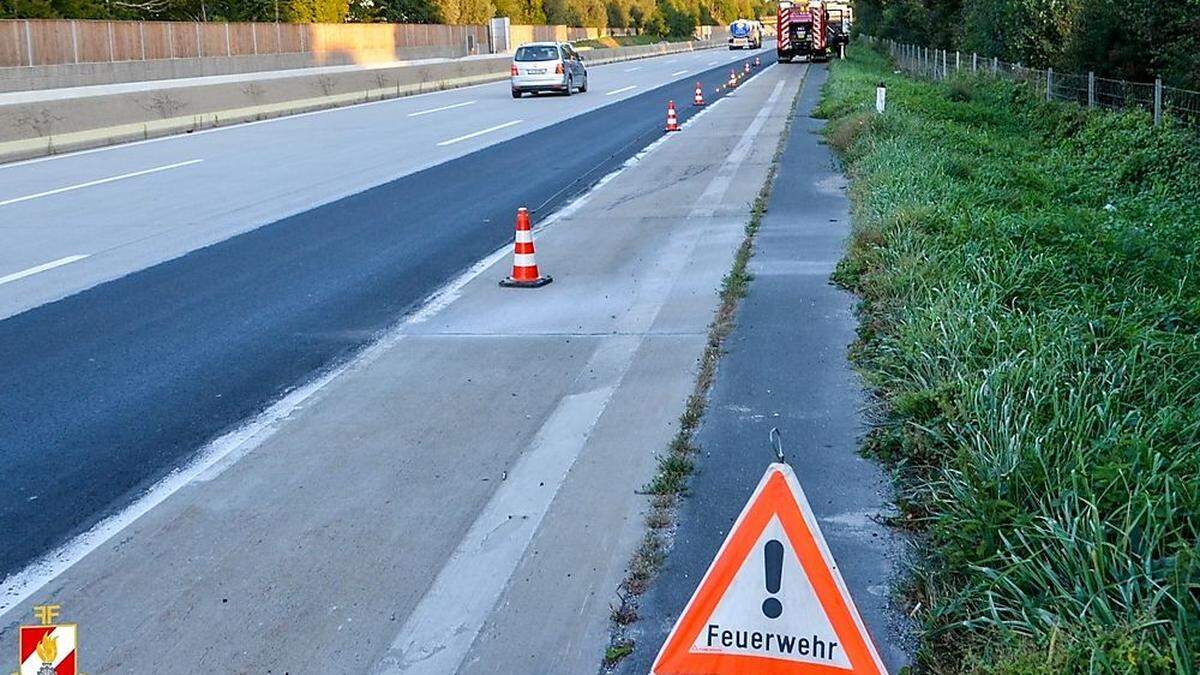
(104,392)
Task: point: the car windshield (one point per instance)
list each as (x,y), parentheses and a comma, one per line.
(537,53)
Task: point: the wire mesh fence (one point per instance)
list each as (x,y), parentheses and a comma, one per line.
(1084,89)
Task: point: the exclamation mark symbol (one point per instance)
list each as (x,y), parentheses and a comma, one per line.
(773,555)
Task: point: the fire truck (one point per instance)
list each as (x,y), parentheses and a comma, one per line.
(803,30)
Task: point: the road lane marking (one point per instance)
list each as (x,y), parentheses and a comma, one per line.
(630,70)
(41,268)
(679,72)
(445,107)
(622,90)
(101,181)
(712,63)
(480,132)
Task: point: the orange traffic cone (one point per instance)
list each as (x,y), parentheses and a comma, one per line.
(525,270)
(732,79)
(699,99)
(672,121)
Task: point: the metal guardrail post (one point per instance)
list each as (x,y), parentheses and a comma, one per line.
(1091,90)
(1158,92)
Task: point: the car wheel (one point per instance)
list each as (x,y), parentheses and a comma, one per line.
(583,87)
(570,85)
(516,94)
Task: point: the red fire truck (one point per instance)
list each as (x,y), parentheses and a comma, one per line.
(802,30)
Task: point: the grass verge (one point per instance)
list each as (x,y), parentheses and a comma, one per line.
(676,464)
(1029,320)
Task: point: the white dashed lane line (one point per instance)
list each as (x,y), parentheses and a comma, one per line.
(622,90)
(480,132)
(445,107)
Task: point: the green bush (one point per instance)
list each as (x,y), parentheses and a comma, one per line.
(1030,284)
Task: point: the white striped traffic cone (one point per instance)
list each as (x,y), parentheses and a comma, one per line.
(746,70)
(525,270)
(699,98)
(732,79)
(757,63)
(672,121)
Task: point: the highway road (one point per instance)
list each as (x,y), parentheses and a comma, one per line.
(157,294)
(459,491)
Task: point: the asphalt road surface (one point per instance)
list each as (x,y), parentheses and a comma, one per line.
(223,269)
(463,495)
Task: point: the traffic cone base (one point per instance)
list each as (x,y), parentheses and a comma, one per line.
(525,272)
(520,283)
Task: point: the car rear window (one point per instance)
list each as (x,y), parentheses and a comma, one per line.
(546,53)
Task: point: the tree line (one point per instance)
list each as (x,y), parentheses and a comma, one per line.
(665,18)
(1136,41)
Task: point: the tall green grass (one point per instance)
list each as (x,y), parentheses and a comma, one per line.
(1030,315)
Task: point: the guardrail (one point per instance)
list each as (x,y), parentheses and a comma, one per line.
(1086,89)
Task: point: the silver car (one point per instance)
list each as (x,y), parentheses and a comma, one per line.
(547,66)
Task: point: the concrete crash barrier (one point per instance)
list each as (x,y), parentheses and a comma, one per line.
(55,126)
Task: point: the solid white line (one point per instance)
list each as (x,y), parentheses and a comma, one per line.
(445,107)
(622,90)
(712,63)
(41,268)
(101,181)
(630,70)
(679,72)
(480,132)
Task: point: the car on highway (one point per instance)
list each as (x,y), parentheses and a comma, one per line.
(547,66)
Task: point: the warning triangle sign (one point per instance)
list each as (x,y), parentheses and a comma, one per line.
(772,602)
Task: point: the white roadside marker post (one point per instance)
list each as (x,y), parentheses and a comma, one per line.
(880,97)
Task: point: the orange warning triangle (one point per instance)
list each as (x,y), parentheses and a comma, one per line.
(772,602)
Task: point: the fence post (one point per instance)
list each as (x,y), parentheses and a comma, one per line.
(945,75)
(974,62)
(995,65)
(1091,89)
(1049,84)
(1158,91)
(957,61)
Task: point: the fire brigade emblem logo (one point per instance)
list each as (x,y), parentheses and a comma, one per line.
(49,648)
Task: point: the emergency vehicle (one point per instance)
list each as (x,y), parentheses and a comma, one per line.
(803,30)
